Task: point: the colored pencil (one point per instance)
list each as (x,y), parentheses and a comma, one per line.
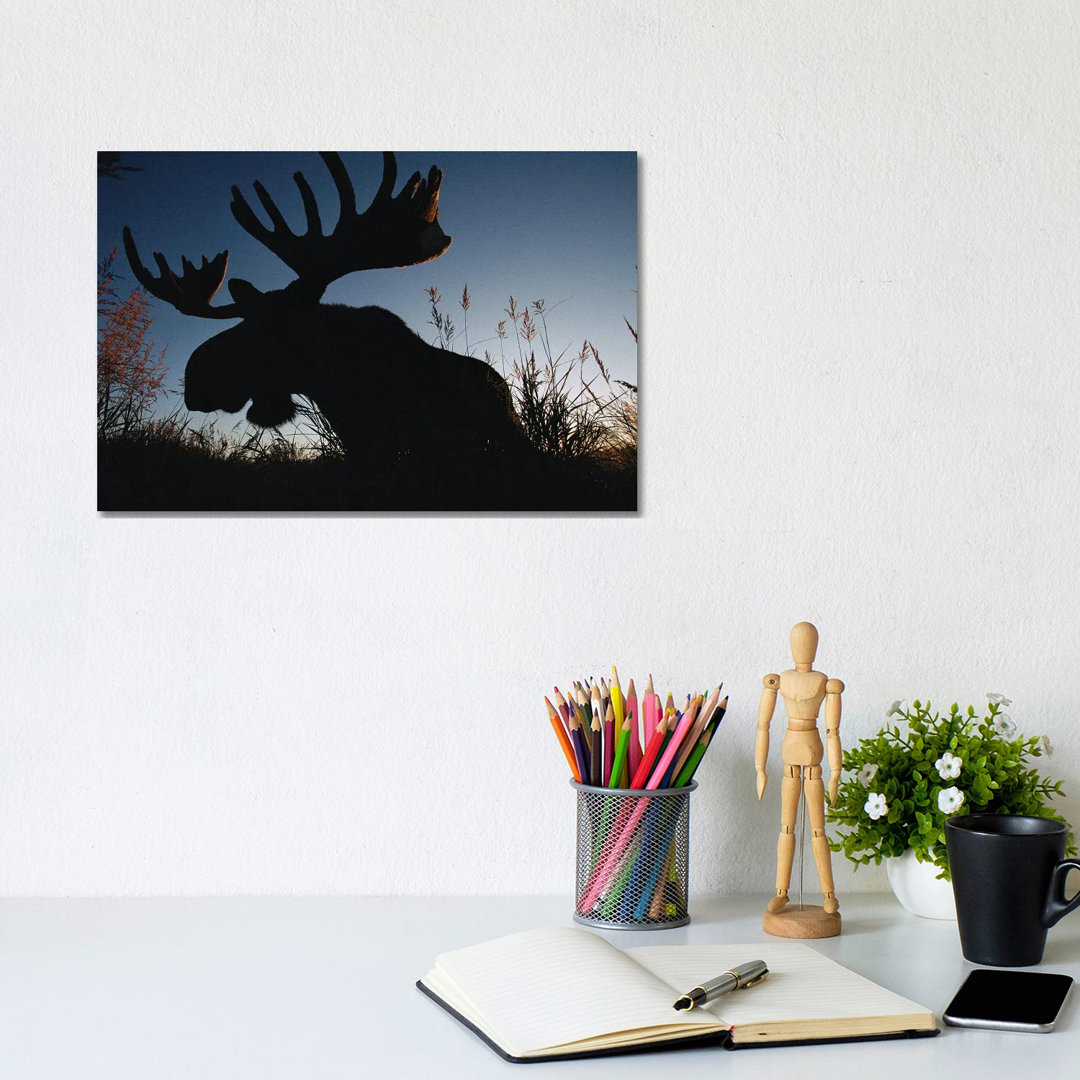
(634,757)
(672,748)
(581,747)
(564,740)
(648,758)
(618,705)
(622,749)
(602,734)
(596,756)
(704,715)
(564,709)
(609,743)
(698,753)
(598,713)
(585,714)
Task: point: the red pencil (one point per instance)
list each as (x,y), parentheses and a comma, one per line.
(648,758)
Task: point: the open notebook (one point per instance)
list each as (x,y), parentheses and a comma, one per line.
(562,992)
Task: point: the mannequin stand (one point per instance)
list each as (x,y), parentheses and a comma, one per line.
(802,921)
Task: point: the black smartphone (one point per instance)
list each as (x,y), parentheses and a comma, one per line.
(1013,1000)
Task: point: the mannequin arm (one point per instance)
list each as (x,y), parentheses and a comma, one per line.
(761,745)
(833,689)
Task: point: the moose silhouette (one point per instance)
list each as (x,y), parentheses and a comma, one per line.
(382,388)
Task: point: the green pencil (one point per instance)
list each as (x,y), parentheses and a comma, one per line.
(622,749)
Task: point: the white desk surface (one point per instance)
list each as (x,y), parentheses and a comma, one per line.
(320,988)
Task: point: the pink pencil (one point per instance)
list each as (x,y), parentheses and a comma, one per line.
(635,730)
(650,711)
(670,751)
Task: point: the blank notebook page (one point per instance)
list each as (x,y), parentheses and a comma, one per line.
(561,999)
(802,984)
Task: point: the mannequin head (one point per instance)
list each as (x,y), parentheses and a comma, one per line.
(804,642)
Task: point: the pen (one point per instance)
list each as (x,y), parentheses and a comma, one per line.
(738,978)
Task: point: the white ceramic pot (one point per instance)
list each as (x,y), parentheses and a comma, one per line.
(917,886)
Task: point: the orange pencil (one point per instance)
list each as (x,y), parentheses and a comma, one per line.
(564,739)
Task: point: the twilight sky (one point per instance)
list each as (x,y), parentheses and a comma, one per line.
(555,226)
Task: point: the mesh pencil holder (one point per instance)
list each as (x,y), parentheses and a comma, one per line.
(633,857)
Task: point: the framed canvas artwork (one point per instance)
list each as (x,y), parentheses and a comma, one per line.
(371,332)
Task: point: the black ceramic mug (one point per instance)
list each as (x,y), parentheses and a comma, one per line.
(1008,876)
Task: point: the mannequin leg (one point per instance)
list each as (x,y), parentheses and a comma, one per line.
(790,790)
(815,805)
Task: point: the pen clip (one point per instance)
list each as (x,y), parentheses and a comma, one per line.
(754,981)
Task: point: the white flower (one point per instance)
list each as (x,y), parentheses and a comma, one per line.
(998,699)
(948,766)
(1003,725)
(1047,748)
(895,709)
(950,800)
(876,806)
(866,774)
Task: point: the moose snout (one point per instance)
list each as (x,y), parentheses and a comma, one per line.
(213,381)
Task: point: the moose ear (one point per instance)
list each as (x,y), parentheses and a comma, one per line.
(243,292)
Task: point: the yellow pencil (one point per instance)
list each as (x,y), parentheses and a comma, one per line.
(617,703)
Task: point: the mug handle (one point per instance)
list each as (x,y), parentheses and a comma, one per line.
(1056,904)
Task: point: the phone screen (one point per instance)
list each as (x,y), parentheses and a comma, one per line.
(1014,1000)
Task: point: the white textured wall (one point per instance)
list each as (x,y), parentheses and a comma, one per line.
(860,372)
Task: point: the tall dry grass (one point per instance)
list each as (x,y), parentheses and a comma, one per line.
(569,406)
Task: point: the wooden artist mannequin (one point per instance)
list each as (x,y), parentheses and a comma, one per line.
(803,691)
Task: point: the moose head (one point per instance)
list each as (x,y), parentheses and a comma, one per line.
(380,386)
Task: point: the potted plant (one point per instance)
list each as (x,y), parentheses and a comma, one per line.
(899,787)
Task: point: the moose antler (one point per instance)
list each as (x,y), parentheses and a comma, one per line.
(393,231)
(401,230)
(191,291)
